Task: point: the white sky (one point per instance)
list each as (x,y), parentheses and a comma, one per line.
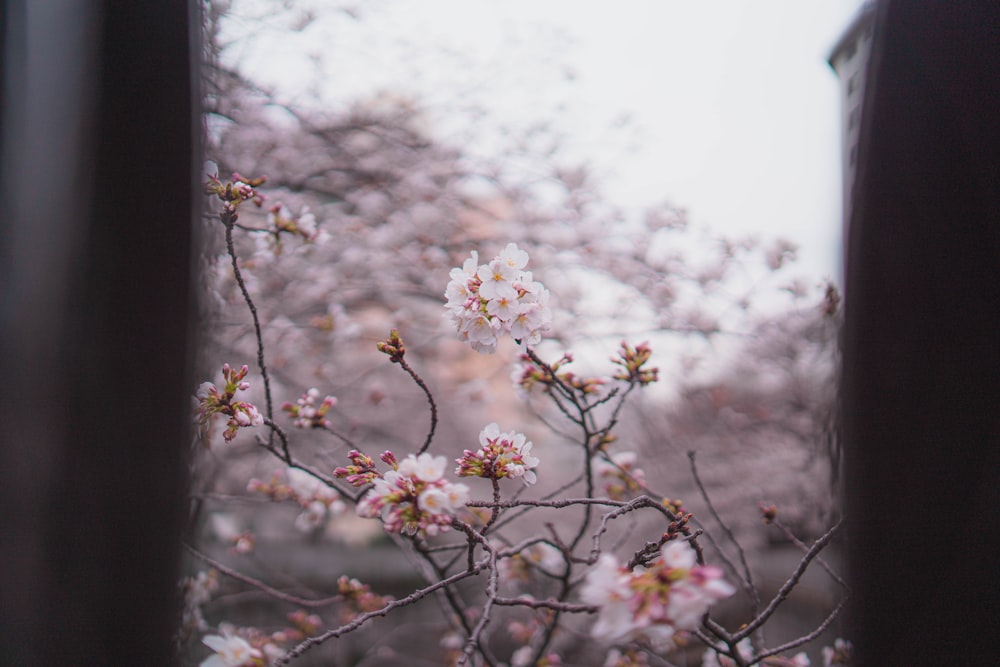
(734,111)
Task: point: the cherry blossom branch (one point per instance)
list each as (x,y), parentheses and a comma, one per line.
(566,390)
(284,454)
(228,217)
(361,619)
(804,639)
(451,598)
(261,586)
(393,346)
(790,584)
(805,547)
(549,603)
(747,579)
(292,462)
(496,500)
(549,503)
(624,508)
(472,643)
(340,436)
(430,400)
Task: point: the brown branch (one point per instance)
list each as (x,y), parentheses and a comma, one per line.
(228,218)
(804,639)
(787,587)
(747,579)
(261,586)
(430,400)
(364,618)
(548,604)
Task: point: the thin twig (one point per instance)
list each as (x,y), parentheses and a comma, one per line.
(261,586)
(804,639)
(748,575)
(787,587)
(430,400)
(548,604)
(805,547)
(228,218)
(364,618)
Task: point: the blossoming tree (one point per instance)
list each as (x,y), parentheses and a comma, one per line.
(652,594)
(576,550)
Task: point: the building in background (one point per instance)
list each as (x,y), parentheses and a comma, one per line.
(849,59)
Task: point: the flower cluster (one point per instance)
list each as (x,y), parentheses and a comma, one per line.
(359,598)
(528,374)
(210,401)
(306,414)
(632,360)
(620,475)
(197,591)
(501,455)
(485,301)
(411,498)
(672,594)
(281,221)
(251,647)
(317,500)
(233,192)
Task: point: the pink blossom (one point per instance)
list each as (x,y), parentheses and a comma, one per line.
(209,401)
(674,593)
(230,651)
(318,501)
(489,300)
(500,455)
(839,654)
(620,475)
(306,413)
(413,498)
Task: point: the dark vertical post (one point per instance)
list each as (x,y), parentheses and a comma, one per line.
(922,340)
(98,182)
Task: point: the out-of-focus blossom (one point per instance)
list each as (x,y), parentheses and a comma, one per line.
(197,591)
(306,413)
(210,401)
(500,455)
(521,657)
(778,253)
(608,585)
(626,658)
(838,654)
(281,221)
(318,501)
(672,594)
(411,498)
(488,300)
(359,598)
(230,651)
(541,556)
(620,476)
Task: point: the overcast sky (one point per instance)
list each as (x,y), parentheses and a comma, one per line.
(733,112)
